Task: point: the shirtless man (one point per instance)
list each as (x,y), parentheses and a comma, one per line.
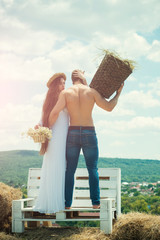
(79,101)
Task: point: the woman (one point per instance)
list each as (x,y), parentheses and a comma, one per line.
(51,192)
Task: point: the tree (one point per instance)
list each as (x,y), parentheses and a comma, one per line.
(140,206)
(136,194)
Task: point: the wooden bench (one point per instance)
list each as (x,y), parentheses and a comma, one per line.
(110,192)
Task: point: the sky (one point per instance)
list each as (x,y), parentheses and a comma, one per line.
(41,37)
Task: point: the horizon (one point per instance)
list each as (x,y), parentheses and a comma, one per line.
(145,159)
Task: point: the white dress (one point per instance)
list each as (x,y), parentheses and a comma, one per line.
(51,193)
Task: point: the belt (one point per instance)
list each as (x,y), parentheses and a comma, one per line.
(81,128)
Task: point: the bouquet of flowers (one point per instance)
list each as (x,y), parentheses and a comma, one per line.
(40,134)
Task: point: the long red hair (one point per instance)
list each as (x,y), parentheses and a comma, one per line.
(50,101)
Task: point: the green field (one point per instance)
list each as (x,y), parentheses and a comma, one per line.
(14,167)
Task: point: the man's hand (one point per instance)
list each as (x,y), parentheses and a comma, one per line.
(80,74)
(105,104)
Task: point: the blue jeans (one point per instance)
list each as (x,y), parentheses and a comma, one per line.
(85,138)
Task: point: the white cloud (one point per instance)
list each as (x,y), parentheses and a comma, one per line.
(154,87)
(81,19)
(117,143)
(136,45)
(19,116)
(128,45)
(73,55)
(20,38)
(131,79)
(16,119)
(8,3)
(38,99)
(16,68)
(137,126)
(154,53)
(139,99)
(119,110)
(132,101)
(145,122)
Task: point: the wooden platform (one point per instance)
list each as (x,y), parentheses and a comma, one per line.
(110,192)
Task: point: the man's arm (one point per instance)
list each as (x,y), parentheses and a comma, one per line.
(105,104)
(60,105)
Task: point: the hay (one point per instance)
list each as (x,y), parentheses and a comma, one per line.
(4,236)
(131,63)
(112,72)
(88,234)
(7,194)
(137,226)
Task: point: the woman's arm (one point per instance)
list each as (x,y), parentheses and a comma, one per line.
(60,105)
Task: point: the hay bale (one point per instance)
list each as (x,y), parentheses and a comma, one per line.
(7,194)
(137,226)
(88,234)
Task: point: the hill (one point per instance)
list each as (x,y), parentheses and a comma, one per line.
(14,167)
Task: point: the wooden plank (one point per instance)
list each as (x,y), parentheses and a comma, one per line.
(108,184)
(33,187)
(34,182)
(89,214)
(106,172)
(34,177)
(30,209)
(82,203)
(86,193)
(66,220)
(87,177)
(34,172)
(82,209)
(25,199)
(27,209)
(118,200)
(83,216)
(102,184)
(32,192)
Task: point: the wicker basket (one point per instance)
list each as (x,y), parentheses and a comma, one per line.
(39,139)
(110,74)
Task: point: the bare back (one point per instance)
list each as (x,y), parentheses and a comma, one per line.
(80,102)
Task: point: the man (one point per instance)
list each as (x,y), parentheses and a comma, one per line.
(79,101)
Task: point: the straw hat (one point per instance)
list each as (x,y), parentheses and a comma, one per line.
(55,76)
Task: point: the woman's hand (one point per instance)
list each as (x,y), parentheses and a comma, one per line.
(36,126)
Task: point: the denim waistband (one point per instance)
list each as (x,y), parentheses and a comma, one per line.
(81,128)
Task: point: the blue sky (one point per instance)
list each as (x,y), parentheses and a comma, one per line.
(39,38)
